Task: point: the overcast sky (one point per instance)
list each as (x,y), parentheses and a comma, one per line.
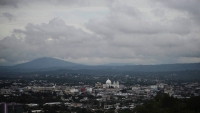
(100,31)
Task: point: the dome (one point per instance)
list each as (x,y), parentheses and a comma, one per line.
(108,81)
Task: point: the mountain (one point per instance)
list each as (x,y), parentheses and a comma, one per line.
(119,64)
(49,64)
(160,67)
(45,62)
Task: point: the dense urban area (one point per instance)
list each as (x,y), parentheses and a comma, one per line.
(141,92)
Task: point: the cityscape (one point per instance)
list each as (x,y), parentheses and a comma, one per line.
(99,56)
(67,92)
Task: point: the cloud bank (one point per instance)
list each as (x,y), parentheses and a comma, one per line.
(89,32)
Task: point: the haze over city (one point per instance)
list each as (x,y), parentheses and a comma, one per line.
(100,32)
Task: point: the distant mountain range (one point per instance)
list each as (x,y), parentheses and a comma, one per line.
(45,62)
(49,64)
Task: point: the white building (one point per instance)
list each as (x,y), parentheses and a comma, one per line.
(88,89)
(110,85)
(154,87)
(73,90)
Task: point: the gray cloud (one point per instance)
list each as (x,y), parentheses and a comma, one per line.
(82,3)
(9,16)
(54,39)
(190,7)
(132,33)
(128,33)
(13,3)
(126,19)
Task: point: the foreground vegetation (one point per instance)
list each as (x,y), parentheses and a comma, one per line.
(163,103)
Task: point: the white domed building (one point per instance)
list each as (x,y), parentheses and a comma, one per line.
(110,85)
